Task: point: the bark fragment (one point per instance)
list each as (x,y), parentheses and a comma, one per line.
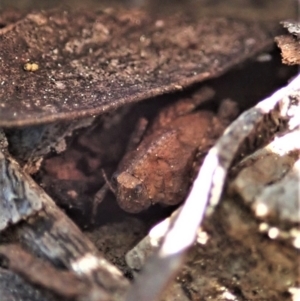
(290,44)
(50,234)
(13,287)
(34,270)
(20,197)
(268,180)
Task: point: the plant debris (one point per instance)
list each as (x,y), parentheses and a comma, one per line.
(290,44)
(93,62)
(62,69)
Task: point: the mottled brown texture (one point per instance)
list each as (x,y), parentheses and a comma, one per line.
(159,168)
(290,44)
(89,62)
(290,49)
(10,15)
(236,262)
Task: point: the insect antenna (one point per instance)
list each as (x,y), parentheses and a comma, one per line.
(100,194)
(107,182)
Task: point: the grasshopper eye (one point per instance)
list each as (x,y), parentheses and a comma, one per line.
(114,181)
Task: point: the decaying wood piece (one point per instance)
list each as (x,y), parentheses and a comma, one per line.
(54,237)
(253,128)
(50,234)
(20,196)
(39,272)
(292,27)
(29,145)
(13,287)
(85,63)
(290,44)
(268,180)
(139,254)
(290,49)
